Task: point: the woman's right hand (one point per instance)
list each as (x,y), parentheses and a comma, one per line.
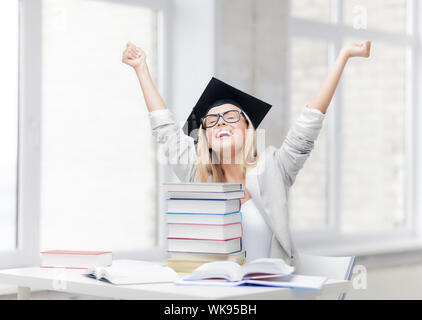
(134,56)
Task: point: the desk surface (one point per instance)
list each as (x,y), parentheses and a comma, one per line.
(72,281)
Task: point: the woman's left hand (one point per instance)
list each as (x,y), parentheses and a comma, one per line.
(362,49)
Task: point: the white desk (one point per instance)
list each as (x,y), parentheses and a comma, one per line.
(72,281)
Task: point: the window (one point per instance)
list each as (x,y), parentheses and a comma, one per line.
(98,168)
(373,142)
(318,10)
(380,15)
(9,66)
(309,67)
(357,180)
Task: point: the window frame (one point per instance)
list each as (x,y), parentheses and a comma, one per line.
(28,173)
(29,142)
(334,32)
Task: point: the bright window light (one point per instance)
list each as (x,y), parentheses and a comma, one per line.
(9,59)
(98,166)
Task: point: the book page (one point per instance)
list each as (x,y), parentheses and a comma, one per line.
(220,269)
(133,271)
(266,266)
(97,272)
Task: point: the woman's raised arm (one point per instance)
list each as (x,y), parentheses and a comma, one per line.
(301,137)
(324,95)
(136,58)
(177,149)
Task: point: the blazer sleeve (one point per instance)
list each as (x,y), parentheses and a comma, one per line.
(299,143)
(176,149)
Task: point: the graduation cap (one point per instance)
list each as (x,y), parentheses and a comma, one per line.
(218,93)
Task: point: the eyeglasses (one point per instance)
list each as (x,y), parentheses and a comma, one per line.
(230,116)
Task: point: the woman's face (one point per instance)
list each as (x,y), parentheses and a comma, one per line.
(224,136)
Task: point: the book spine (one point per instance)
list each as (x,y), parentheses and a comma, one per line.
(204,214)
(196,239)
(207,225)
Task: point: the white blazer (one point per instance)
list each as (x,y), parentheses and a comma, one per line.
(268,182)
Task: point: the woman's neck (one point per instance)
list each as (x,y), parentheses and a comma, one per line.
(233,172)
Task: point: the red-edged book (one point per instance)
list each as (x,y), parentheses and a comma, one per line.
(75,259)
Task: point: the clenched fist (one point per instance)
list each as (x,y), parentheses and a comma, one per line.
(362,49)
(134,56)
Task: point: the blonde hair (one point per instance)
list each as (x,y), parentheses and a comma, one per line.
(209,167)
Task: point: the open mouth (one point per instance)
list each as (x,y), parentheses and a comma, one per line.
(224,134)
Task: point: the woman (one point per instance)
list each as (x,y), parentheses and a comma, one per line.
(224,137)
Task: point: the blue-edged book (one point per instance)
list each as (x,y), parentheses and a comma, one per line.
(203,206)
(203,218)
(202,187)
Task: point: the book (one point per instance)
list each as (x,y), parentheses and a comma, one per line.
(204,231)
(202,187)
(191,218)
(290,281)
(204,246)
(208,257)
(124,272)
(202,206)
(261,272)
(188,262)
(75,259)
(203,218)
(206,195)
(233,272)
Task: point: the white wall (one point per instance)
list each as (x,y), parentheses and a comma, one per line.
(249,58)
(192,57)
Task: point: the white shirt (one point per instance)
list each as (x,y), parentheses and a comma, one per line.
(256,240)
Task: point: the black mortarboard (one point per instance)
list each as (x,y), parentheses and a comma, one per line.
(217,93)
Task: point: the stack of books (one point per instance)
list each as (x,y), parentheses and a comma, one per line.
(204,224)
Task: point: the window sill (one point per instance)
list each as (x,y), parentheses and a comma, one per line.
(379,253)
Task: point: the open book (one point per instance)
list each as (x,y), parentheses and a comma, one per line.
(123,272)
(262,272)
(231,271)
